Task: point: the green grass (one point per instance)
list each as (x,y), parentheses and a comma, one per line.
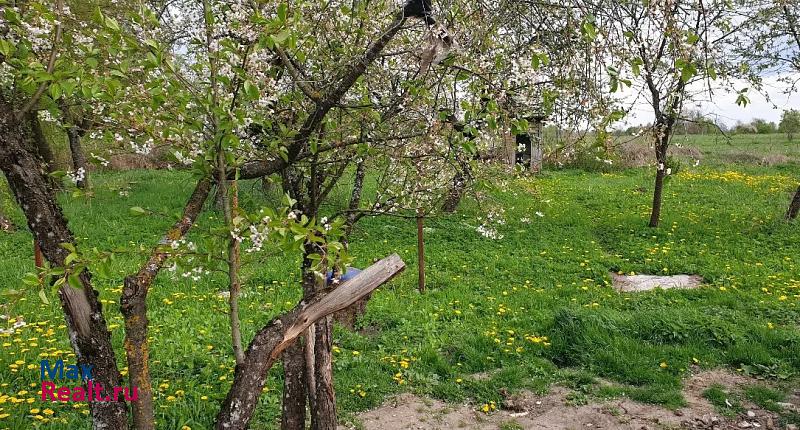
(769,149)
(489,304)
(765,397)
(724,401)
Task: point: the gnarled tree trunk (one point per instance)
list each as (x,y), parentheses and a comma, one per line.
(133,305)
(271,341)
(29,182)
(317,354)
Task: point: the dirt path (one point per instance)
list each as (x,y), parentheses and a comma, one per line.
(527,410)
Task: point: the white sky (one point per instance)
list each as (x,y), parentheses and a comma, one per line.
(722,104)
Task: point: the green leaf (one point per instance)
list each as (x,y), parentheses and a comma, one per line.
(68,88)
(70,258)
(74,281)
(282,12)
(54,91)
(636,66)
(712,72)
(151,43)
(43,297)
(280,37)
(6,48)
(30,279)
(251,90)
(11,293)
(742,100)
(589,30)
(68,246)
(112,23)
(688,71)
(137,211)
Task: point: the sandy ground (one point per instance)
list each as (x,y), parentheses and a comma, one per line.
(527,410)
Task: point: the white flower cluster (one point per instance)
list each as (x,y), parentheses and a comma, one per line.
(46,116)
(183,244)
(186,161)
(19,323)
(258,234)
(77,176)
(195,273)
(103,162)
(489,232)
(144,148)
(487,229)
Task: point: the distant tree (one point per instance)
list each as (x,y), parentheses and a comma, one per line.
(742,128)
(790,123)
(668,52)
(763,126)
(693,121)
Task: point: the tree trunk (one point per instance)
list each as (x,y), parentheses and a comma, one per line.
(228,193)
(655,214)
(234,284)
(661,172)
(32,188)
(293,408)
(319,373)
(133,305)
(78,158)
(355,200)
(271,341)
(794,206)
(42,147)
(457,189)
(323,408)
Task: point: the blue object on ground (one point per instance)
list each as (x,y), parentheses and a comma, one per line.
(348,275)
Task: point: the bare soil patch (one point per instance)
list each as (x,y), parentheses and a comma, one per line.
(527,410)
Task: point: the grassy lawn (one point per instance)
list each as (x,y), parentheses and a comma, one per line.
(743,148)
(525,311)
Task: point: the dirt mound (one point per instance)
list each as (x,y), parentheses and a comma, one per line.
(526,410)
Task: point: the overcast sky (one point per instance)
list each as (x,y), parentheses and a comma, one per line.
(722,104)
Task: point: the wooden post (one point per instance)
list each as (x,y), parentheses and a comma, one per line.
(420,254)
